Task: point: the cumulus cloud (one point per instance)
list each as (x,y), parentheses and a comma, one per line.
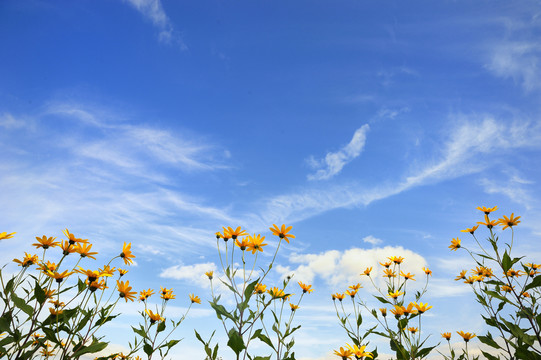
(333,162)
(153,11)
(342,268)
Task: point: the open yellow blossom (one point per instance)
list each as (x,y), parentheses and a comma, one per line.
(351,293)
(242,244)
(83,249)
(367,271)
(398,311)
(210,274)
(72,239)
(282,232)
(306,288)
(45,242)
(487,210)
(126,254)
(122,272)
(422,307)
(462,275)
(471,230)
(255,243)
(260,289)
(48,266)
(59,276)
(533,266)
(95,285)
(466,336)
(234,234)
(446,335)
(55,312)
(195,299)
(276,293)
(124,290)
(167,294)
(469,280)
(427,271)
(407,276)
(67,247)
(514,273)
(455,244)
(338,296)
(92,275)
(488,223)
(355,286)
(410,309)
(386,264)
(383,311)
(388,273)
(413,330)
(293,306)
(154,317)
(506,288)
(396,259)
(343,353)
(5,235)
(145,294)
(28,260)
(359,352)
(395,294)
(107,270)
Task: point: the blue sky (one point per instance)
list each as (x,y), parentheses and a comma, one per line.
(374,129)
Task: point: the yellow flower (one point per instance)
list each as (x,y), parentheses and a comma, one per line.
(489,223)
(514,273)
(507,288)
(395,294)
(242,244)
(210,274)
(55,312)
(126,254)
(359,351)
(276,293)
(389,273)
(260,289)
(410,309)
(293,306)
(344,353)
(282,232)
(5,235)
(47,266)
(256,243)
(45,242)
(427,271)
(168,295)
(532,273)
(195,299)
(49,294)
(407,276)
(95,285)
(455,244)
(396,259)
(487,210)
(466,336)
(525,294)
(461,276)
(72,239)
(386,264)
(533,266)
(124,290)
(383,311)
(446,335)
(471,230)
(422,307)
(153,317)
(509,221)
(145,294)
(338,296)
(122,272)
(28,260)
(367,271)
(219,235)
(92,275)
(306,288)
(67,247)
(398,310)
(83,249)
(351,293)
(413,330)
(59,276)
(57,304)
(469,280)
(233,234)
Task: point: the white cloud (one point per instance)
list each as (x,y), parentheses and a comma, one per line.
(343,268)
(518,60)
(8,121)
(154,12)
(333,162)
(372,240)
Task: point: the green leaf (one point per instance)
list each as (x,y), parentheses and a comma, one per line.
(262,357)
(235,341)
(382,300)
(81,286)
(489,356)
(92,348)
(536,282)
(161,327)
(4,322)
(249,290)
(221,311)
(506,262)
(359,320)
(424,352)
(172,343)
(21,304)
(488,340)
(199,337)
(147,348)
(141,332)
(265,339)
(39,294)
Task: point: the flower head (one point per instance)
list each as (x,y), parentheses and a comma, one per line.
(396,259)
(466,336)
(407,276)
(145,294)
(28,260)
(256,243)
(72,239)
(455,244)
(83,249)
(5,235)
(446,336)
(166,294)
(282,232)
(487,210)
(358,351)
(95,285)
(45,242)
(488,223)
(293,306)
(59,276)
(124,290)
(383,311)
(306,288)
(67,247)
(351,293)
(242,244)
(234,234)
(386,264)
(126,254)
(395,294)
(260,289)
(48,266)
(276,293)
(122,272)
(398,311)
(210,274)
(506,288)
(422,307)
(471,230)
(514,273)
(355,287)
(367,271)
(92,275)
(388,273)
(338,296)
(344,353)
(509,221)
(427,271)
(154,317)
(462,275)
(413,330)
(195,299)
